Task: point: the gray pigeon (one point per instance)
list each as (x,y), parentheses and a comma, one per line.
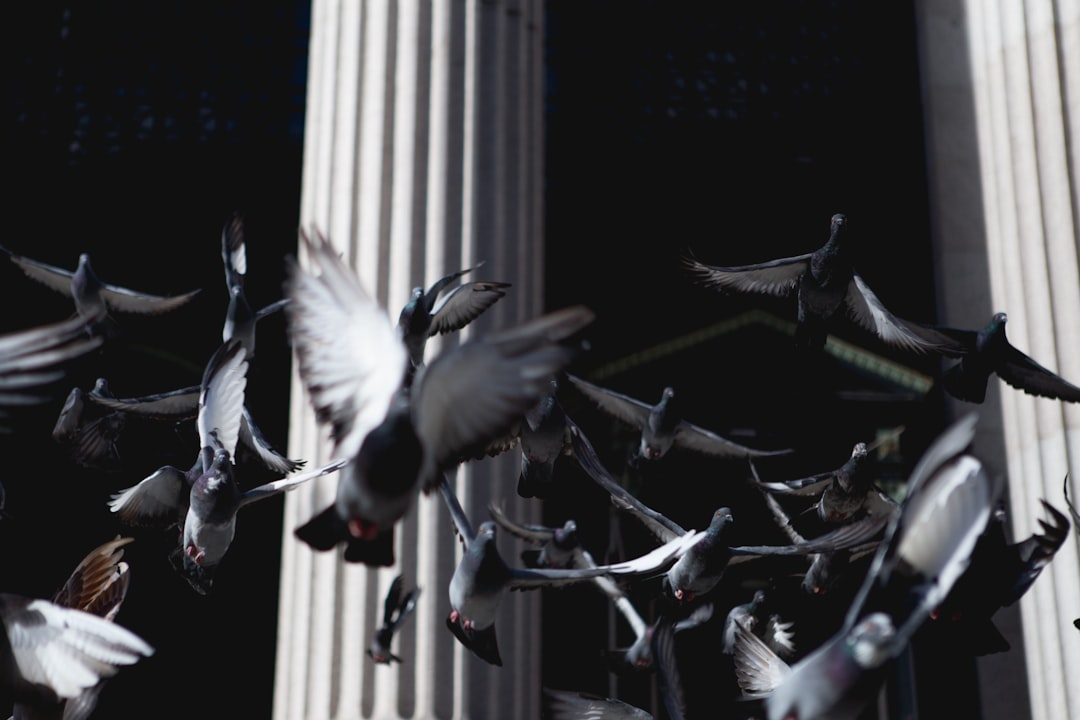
(59,651)
(663,427)
(988,352)
(829,292)
(398,436)
(999,574)
(98,585)
(841,495)
(543,437)
(89,432)
(204,500)
(555,547)
(398,607)
(482,577)
(95,300)
(435,312)
(240,317)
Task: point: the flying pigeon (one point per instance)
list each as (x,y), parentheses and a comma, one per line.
(482,577)
(555,547)
(397,608)
(988,352)
(927,547)
(95,300)
(435,312)
(240,317)
(398,436)
(543,437)
(54,653)
(829,291)
(204,500)
(998,575)
(842,494)
(90,432)
(753,617)
(663,427)
(98,585)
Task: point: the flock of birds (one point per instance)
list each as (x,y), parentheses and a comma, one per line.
(936,559)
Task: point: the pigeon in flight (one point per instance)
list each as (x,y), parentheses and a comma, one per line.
(204,500)
(543,437)
(398,607)
(240,317)
(843,494)
(98,585)
(663,427)
(829,291)
(988,352)
(398,436)
(555,547)
(998,575)
(95,301)
(482,577)
(53,653)
(90,432)
(435,312)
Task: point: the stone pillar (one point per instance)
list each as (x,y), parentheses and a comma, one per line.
(1002,88)
(422,156)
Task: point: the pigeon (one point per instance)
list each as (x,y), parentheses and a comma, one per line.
(34,360)
(397,608)
(700,569)
(95,301)
(927,547)
(843,494)
(662,427)
(998,575)
(88,431)
(54,653)
(557,547)
(829,291)
(543,437)
(204,500)
(482,577)
(240,317)
(98,585)
(640,655)
(988,352)
(435,312)
(751,616)
(397,436)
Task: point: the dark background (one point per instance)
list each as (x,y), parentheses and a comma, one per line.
(132,130)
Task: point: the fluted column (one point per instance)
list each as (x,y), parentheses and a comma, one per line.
(422,156)
(1004,140)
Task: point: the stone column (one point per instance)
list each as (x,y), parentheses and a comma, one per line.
(1002,88)
(422,156)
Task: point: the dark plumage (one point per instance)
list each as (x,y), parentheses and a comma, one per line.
(829,292)
(397,435)
(663,427)
(988,352)
(398,607)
